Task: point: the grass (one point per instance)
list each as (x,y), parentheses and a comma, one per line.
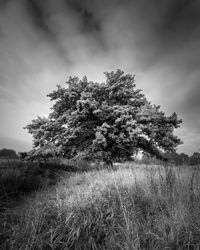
(21,177)
(131,207)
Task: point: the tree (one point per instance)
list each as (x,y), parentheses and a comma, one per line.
(8,153)
(108,121)
(195,159)
(178,159)
(184,159)
(22,155)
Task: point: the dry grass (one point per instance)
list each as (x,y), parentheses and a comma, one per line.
(132,207)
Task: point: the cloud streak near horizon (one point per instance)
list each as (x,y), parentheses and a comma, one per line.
(42,43)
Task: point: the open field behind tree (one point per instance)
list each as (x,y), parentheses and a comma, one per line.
(134,206)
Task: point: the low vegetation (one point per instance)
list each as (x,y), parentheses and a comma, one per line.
(19,178)
(134,206)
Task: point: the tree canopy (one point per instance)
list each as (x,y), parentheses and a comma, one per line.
(109,121)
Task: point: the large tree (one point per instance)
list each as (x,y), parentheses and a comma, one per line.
(108,121)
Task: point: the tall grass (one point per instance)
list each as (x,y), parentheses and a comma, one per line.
(19,178)
(133,207)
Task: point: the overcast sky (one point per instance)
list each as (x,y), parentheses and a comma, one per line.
(43,42)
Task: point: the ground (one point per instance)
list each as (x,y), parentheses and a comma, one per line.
(133,206)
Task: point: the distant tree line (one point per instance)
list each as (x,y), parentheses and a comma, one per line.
(174,158)
(177,159)
(184,159)
(8,153)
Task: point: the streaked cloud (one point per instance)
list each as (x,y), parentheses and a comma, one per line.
(43,42)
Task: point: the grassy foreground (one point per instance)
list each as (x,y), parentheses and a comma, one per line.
(132,207)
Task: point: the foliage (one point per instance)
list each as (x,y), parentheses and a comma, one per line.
(8,153)
(184,159)
(179,159)
(22,155)
(195,159)
(107,121)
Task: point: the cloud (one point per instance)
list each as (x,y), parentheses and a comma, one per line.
(43,42)
(16,144)
(39,15)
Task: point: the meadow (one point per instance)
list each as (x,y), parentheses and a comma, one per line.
(59,205)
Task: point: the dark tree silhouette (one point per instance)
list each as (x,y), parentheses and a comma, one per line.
(195,159)
(178,159)
(8,153)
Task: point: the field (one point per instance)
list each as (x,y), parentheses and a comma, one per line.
(134,206)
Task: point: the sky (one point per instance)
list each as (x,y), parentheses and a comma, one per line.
(43,42)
